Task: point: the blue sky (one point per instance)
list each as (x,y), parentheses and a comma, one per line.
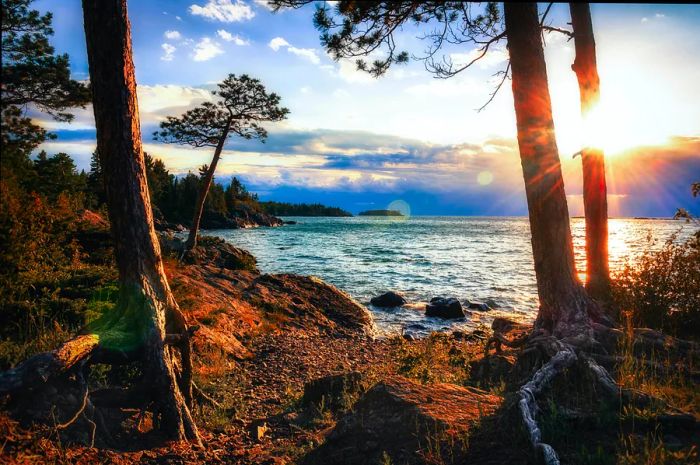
(358,142)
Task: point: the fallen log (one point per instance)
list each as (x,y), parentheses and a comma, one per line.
(42,367)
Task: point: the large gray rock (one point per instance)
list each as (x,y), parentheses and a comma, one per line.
(388,299)
(444,308)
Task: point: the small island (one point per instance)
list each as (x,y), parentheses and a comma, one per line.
(381,213)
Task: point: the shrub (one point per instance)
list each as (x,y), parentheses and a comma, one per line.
(661,289)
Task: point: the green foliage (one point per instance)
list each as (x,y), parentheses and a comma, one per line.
(32,76)
(360,29)
(660,289)
(57,175)
(47,275)
(242,105)
(31,73)
(435,359)
(302,209)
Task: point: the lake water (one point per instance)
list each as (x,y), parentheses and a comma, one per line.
(469,258)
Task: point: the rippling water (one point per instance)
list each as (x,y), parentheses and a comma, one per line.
(469,258)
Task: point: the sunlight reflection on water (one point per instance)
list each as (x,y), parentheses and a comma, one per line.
(422,257)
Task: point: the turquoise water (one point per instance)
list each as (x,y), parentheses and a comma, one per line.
(469,258)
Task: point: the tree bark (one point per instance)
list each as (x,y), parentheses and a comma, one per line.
(202,197)
(145,302)
(595,201)
(563,302)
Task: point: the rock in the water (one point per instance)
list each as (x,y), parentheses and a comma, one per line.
(444,308)
(335,392)
(388,299)
(492,303)
(481,306)
(395,417)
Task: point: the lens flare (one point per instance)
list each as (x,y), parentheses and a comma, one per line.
(401,206)
(484,178)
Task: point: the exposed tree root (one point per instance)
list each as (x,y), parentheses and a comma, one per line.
(528,402)
(202,397)
(563,355)
(79,412)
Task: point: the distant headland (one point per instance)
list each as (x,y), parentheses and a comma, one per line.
(381,213)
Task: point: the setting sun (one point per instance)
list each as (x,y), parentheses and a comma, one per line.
(608,128)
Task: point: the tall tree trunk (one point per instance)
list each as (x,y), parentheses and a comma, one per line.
(145,303)
(595,200)
(204,190)
(563,302)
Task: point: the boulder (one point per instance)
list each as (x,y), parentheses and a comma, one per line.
(211,251)
(444,308)
(397,418)
(334,392)
(309,302)
(388,299)
(481,306)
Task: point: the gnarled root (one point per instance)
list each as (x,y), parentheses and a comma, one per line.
(528,403)
(564,355)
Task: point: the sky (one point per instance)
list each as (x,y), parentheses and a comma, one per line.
(358,142)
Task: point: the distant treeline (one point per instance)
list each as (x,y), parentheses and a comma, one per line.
(173,197)
(302,209)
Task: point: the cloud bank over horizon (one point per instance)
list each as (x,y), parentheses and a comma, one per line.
(358,142)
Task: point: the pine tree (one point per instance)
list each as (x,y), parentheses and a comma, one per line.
(243,104)
(32,76)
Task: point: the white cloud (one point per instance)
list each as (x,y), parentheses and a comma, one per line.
(206,49)
(178,18)
(155,99)
(172,35)
(645,19)
(278,42)
(169,52)
(305,90)
(660,15)
(492,57)
(347,71)
(228,37)
(308,54)
(224,11)
(264,3)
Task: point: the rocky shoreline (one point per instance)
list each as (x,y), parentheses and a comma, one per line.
(290,372)
(242,219)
